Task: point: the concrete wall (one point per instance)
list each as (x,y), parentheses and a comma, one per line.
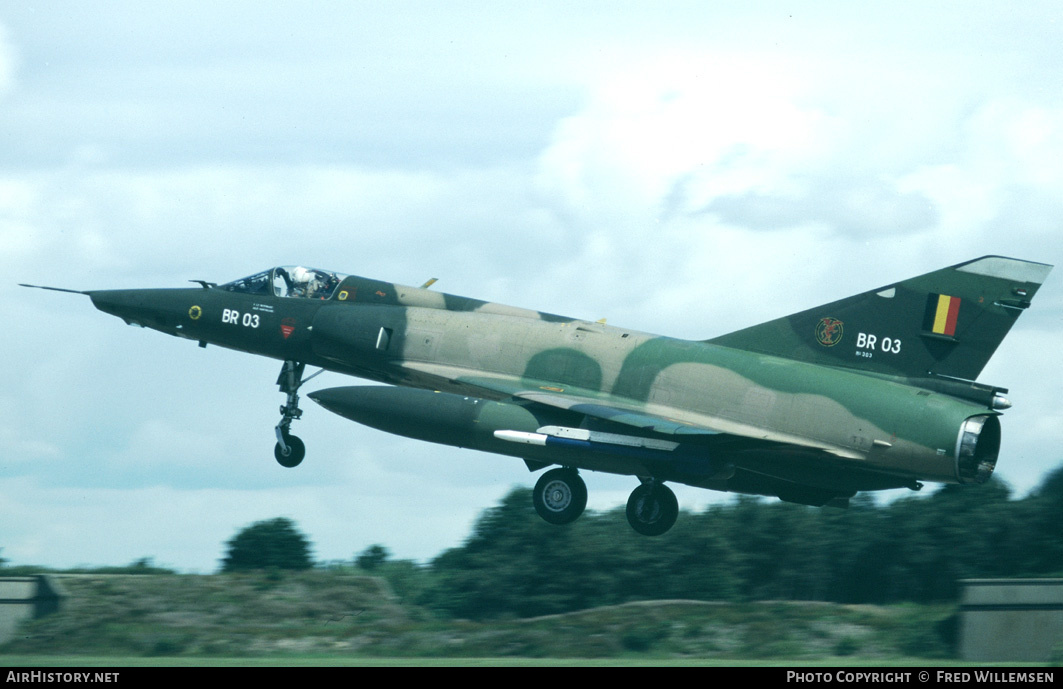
(25,598)
(1011,620)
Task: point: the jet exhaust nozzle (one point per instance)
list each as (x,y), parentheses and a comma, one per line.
(978,448)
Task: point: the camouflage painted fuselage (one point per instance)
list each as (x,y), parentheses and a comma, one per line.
(867,393)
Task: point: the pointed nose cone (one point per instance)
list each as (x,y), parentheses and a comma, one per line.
(160,309)
(124,303)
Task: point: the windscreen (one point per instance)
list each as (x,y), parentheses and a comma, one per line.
(289,281)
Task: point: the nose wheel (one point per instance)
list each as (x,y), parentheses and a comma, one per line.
(290,450)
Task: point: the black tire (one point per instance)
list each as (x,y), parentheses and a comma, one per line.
(560,496)
(294,455)
(652,509)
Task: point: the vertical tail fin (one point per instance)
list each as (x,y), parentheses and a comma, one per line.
(945,323)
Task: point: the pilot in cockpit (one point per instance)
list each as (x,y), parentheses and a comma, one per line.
(317,286)
(305,282)
(299,278)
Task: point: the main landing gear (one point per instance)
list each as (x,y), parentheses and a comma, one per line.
(290,450)
(560,496)
(652,508)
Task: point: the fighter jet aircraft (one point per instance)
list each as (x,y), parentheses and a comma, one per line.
(871,392)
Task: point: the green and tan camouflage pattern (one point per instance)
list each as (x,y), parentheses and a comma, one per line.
(869,392)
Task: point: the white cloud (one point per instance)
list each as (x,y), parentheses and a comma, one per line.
(701,126)
(724,167)
(8,62)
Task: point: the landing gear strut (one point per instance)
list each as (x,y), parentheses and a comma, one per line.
(560,496)
(652,508)
(290,450)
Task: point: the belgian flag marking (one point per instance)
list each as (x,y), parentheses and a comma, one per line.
(941,313)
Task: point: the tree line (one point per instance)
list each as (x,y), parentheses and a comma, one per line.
(513,564)
(915,549)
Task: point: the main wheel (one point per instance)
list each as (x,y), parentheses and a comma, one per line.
(652,509)
(560,496)
(296,450)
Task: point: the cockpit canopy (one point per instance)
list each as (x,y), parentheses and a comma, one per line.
(289,281)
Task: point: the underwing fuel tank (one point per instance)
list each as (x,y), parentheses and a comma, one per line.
(436,417)
(532,432)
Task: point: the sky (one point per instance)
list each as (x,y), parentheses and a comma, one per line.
(684,168)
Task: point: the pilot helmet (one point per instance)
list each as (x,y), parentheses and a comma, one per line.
(300,275)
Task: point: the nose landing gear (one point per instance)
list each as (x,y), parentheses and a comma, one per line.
(290,450)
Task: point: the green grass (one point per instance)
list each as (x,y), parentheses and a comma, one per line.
(323,617)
